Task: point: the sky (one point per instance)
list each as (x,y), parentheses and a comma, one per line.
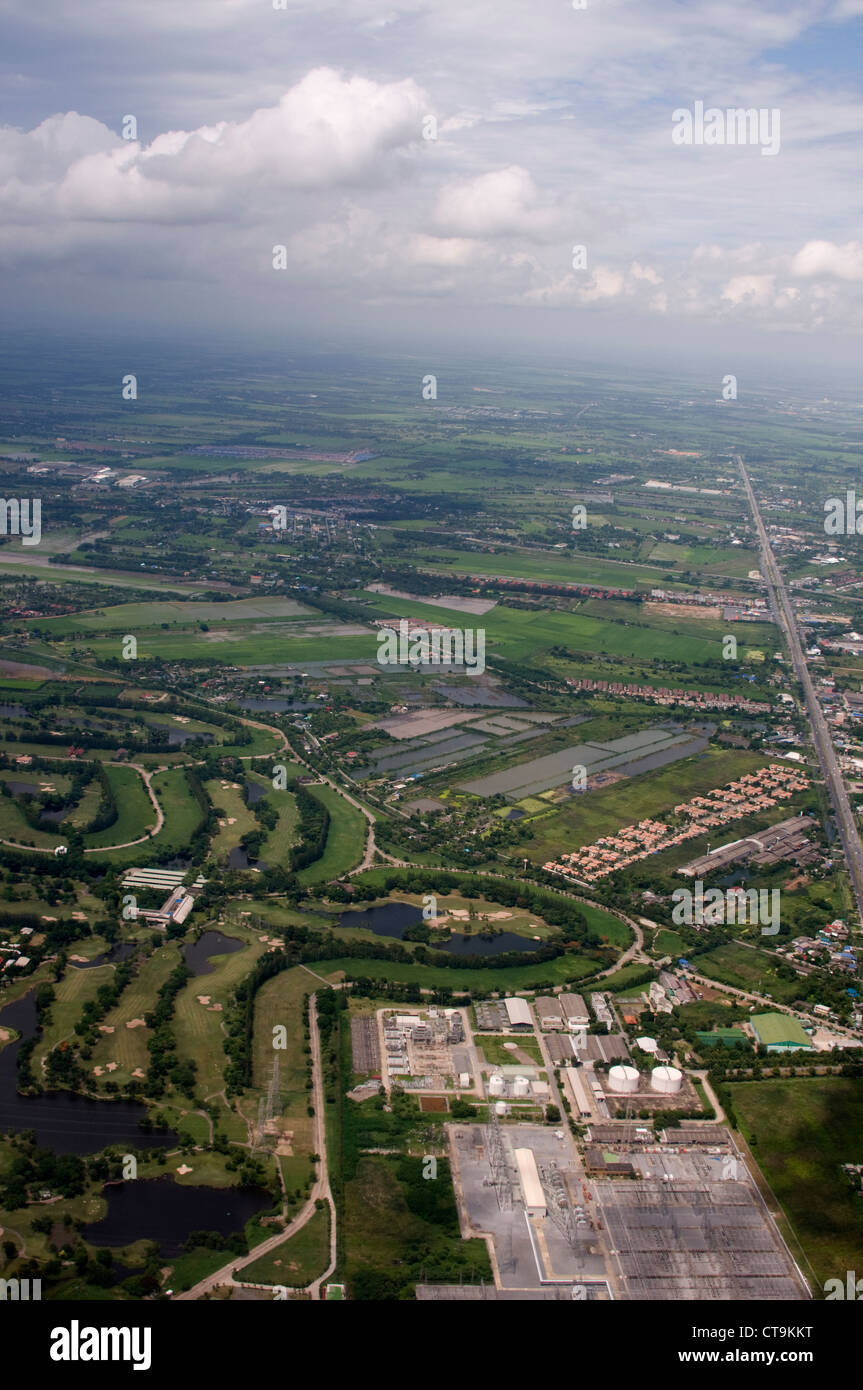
(429,170)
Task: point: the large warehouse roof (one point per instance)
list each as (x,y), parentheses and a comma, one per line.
(534,1197)
(517,1011)
(779,1030)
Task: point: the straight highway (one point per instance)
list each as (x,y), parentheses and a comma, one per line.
(781,603)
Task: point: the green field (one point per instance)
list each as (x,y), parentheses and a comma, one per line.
(128,1046)
(498,1055)
(135,617)
(800,1131)
(346,838)
(280,1002)
(748,968)
(227,797)
(135,812)
(198,1027)
(569,967)
(183,817)
(298,1261)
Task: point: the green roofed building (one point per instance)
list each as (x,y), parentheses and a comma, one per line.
(726,1036)
(780,1032)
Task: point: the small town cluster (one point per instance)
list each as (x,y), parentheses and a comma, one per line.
(753,792)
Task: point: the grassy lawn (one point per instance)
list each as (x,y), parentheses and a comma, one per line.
(346,839)
(71,994)
(14,827)
(299,1260)
(280,1001)
(801,1130)
(669,943)
(620,979)
(183,816)
(498,1055)
(750,969)
(569,967)
(135,812)
(227,797)
(197,1027)
(128,1046)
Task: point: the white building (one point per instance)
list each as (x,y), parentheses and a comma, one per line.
(531,1187)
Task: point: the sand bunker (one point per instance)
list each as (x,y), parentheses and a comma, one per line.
(137,1023)
(105,1028)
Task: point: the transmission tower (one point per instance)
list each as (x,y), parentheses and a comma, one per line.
(497,1162)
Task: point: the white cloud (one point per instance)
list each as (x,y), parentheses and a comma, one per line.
(502,202)
(827,259)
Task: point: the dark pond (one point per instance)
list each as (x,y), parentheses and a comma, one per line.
(55,817)
(23,788)
(121,950)
(9,711)
(212,943)
(177,737)
(66,1123)
(254,792)
(392,919)
(160,1209)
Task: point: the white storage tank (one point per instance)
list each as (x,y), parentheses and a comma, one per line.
(496,1085)
(500,1107)
(623,1081)
(666,1080)
(521,1086)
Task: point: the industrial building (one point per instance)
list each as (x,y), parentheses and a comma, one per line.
(780,1033)
(574,1011)
(581,1103)
(560,1049)
(531,1186)
(787,840)
(518,1015)
(175,908)
(548,1012)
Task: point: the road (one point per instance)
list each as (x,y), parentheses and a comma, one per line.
(778,596)
(771,1006)
(320,1190)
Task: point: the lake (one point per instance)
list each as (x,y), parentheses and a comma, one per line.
(121,950)
(64,1122)
(393,919)
(162,1210)
(212,943)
